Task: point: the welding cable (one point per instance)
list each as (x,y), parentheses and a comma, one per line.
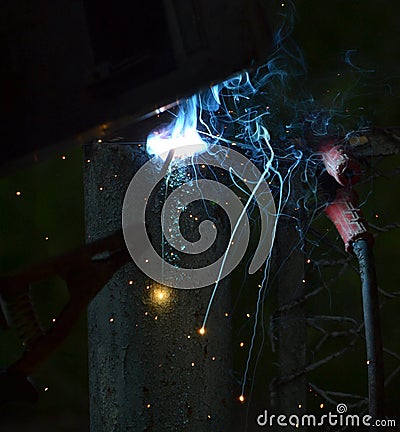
(363,251)
(347,217)
(353,229)
(344,212)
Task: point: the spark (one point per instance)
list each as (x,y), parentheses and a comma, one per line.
(233,233)
(161,297)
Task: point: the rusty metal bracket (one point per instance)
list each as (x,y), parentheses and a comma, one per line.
(85,270)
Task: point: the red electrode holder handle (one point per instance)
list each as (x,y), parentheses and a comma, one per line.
(343,211)
(338,163)
(348,218)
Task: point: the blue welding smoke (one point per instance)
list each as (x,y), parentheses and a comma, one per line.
(269,116)
(248,111)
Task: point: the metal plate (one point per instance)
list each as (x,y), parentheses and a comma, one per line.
(72,70)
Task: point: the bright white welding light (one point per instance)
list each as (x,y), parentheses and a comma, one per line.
(181,135)
(186,144)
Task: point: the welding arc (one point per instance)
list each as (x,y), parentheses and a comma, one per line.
(363,251)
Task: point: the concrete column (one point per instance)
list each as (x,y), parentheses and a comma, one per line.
(149,369)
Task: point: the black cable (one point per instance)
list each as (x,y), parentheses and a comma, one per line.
(373,336)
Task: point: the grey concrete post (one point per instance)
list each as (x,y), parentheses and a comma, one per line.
(149,369)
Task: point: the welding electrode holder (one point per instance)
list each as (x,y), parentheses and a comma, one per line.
(348,219)
(338,162)
(343,210)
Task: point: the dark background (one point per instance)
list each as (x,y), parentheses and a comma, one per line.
(50,204)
